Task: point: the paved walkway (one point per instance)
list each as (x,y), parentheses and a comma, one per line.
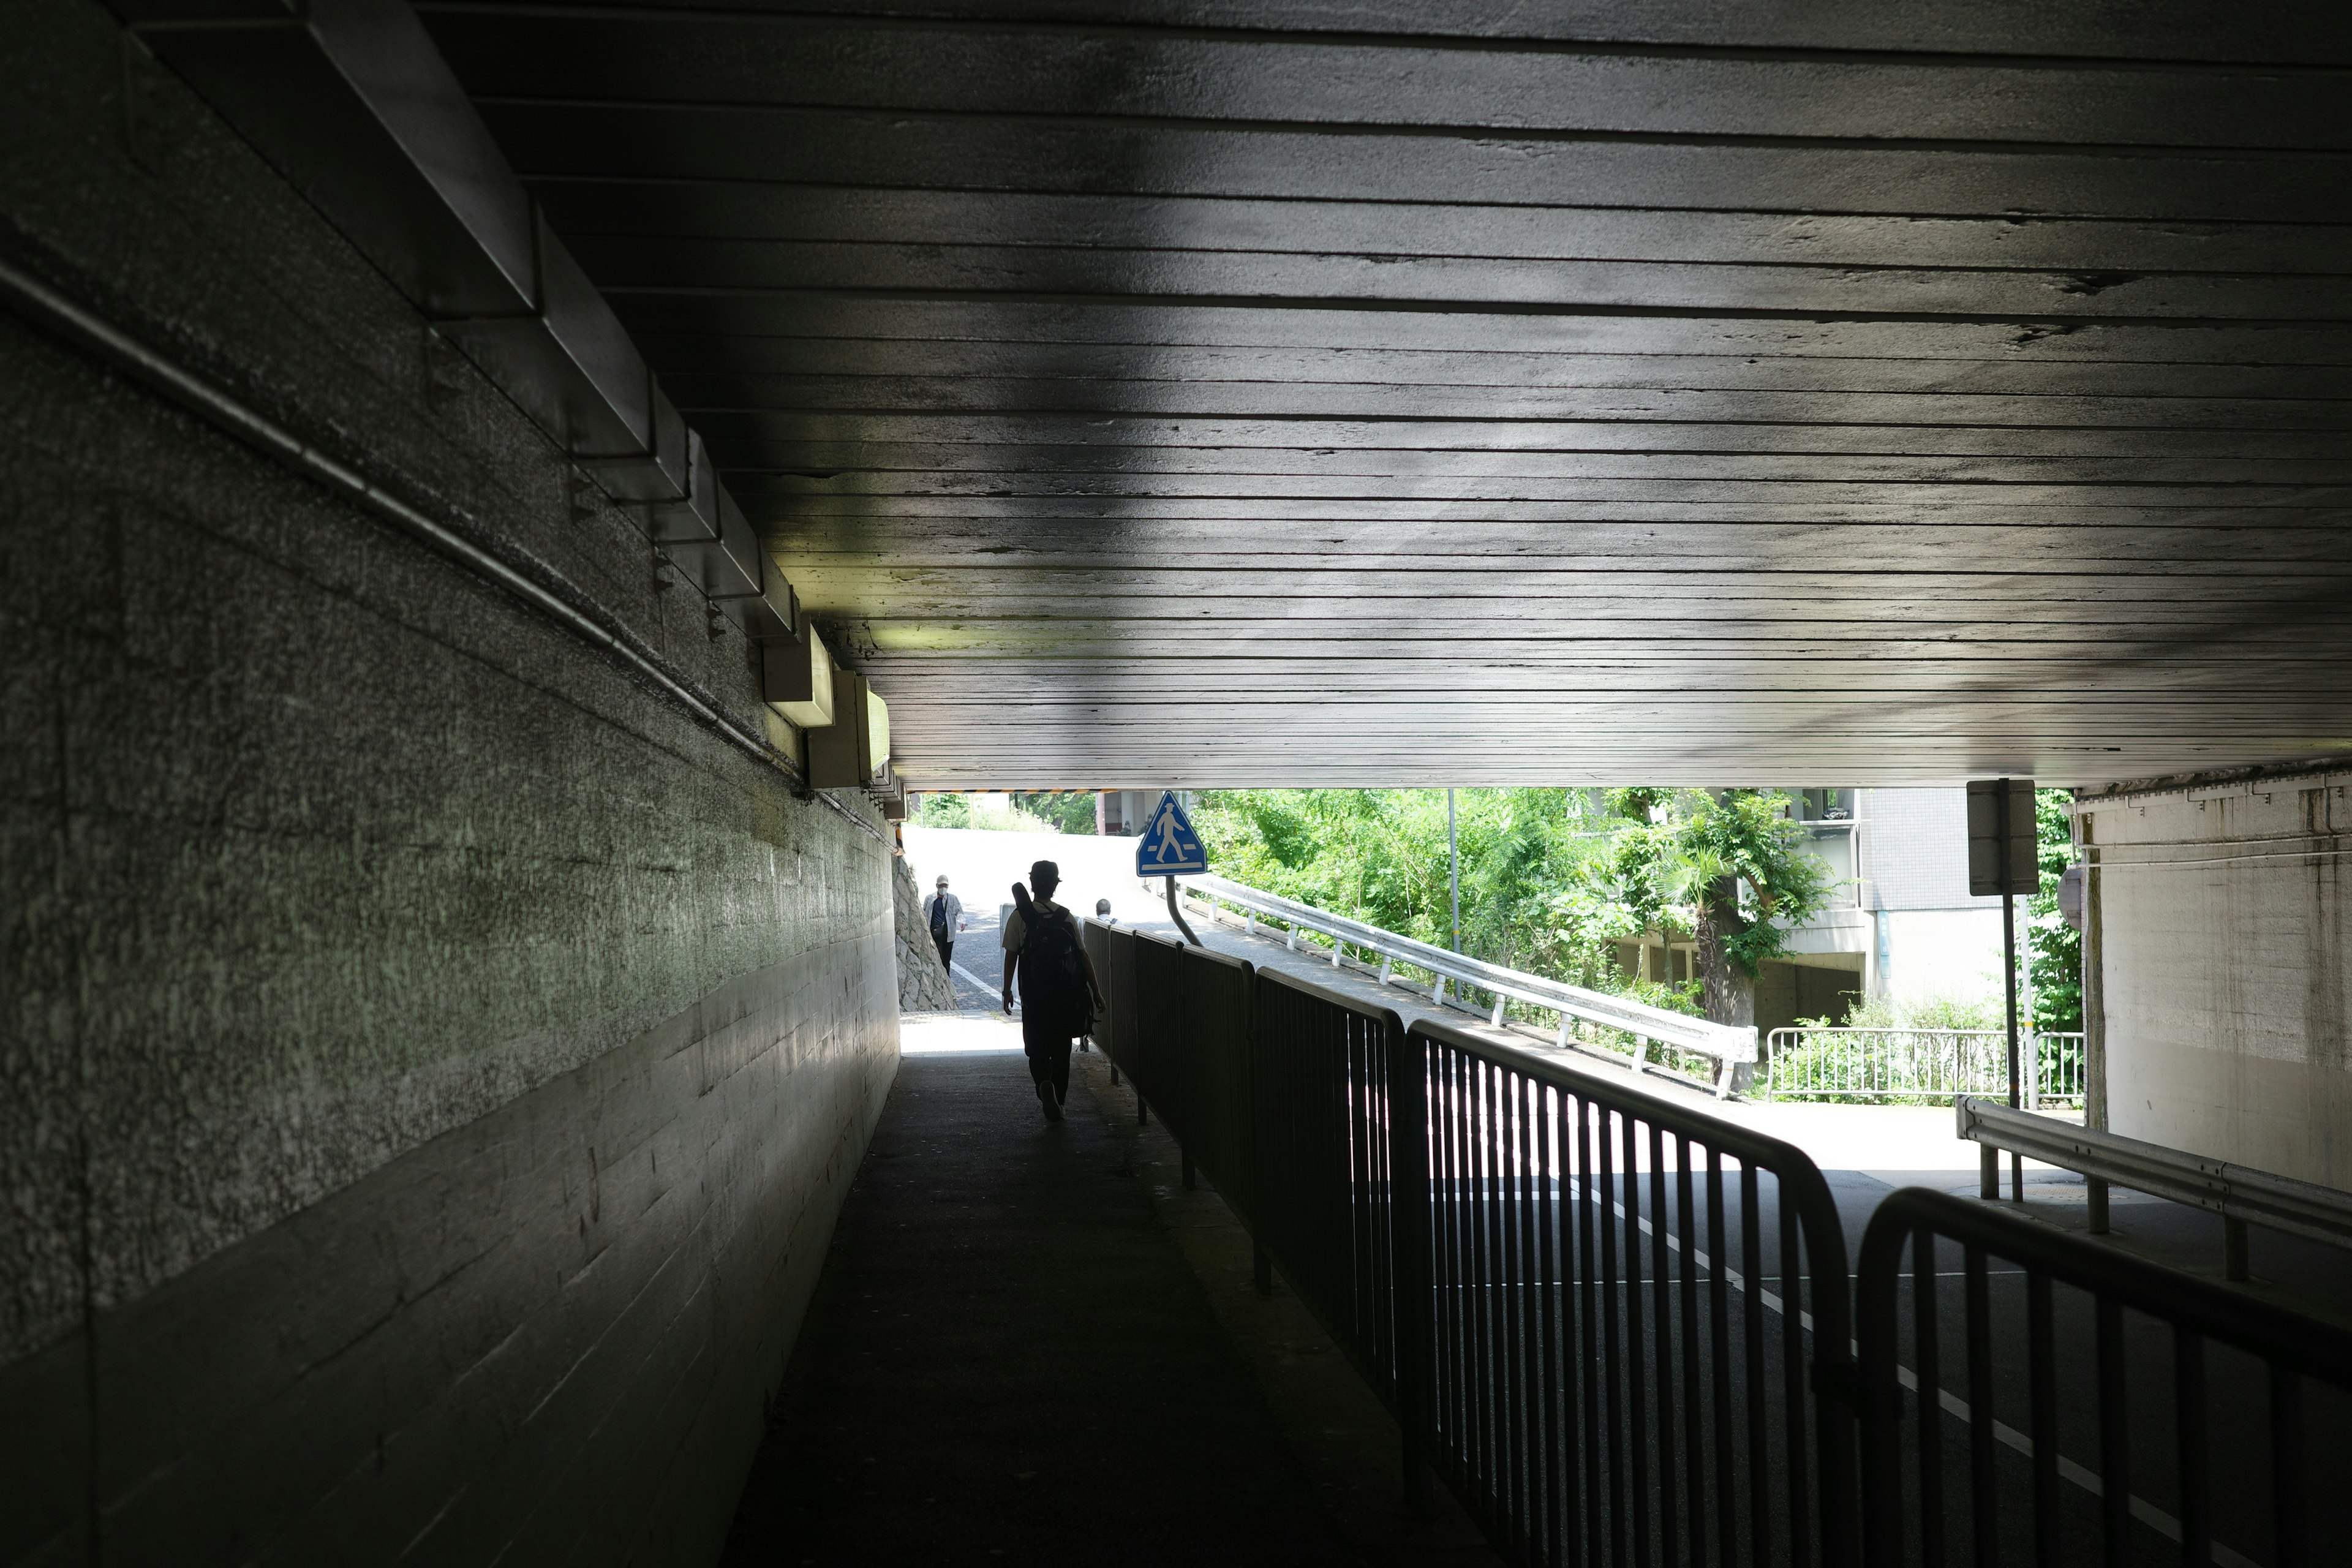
(1010,1360)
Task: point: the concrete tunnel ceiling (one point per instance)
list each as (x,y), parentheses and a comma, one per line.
(1177,391)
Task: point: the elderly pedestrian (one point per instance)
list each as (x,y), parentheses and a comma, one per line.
(945,915)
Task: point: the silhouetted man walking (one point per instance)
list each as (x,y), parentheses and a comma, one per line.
(1059,995)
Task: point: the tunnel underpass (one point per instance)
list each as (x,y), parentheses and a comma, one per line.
(506,501)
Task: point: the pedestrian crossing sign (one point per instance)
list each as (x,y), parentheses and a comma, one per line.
(1169,846)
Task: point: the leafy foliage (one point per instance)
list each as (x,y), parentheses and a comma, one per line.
(1553,879)
(2054,960)
(955,811)
(1030,812)
(1062,811)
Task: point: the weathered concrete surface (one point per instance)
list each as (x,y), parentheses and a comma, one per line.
(1011,1362)
(428,1059)
(923,983)
(2225,967)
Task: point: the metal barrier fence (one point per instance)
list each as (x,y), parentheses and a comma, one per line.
(1619,1328)
(2220,1459)
(1595,1020)
(1640,1347)
(1842,1063)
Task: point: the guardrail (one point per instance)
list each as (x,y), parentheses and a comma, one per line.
(1723,1044)
(2241,1194)
(2036,1372)
(1619,1328)
(1837,1062)
(1638,1340)
(1615,1326)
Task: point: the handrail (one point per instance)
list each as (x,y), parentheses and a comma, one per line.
(1567,1212)
(1725,1043)
(1934,1081)
(1950,1374)
(2241,1194)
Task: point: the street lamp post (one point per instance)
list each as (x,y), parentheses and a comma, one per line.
(1454,869)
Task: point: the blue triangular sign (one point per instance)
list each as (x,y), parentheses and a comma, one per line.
(1169,846)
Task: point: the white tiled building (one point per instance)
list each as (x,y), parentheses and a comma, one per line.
(1902,922)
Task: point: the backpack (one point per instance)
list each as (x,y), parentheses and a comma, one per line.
(939,918)
(1053,969)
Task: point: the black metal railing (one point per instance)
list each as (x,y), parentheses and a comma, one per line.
(1638,1312)
(2088,1406)
(1622,1328)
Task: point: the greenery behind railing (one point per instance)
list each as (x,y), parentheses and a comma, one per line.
(1914,1066)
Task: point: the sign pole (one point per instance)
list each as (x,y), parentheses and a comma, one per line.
(1454,869)
(2009,977)
(1178,916)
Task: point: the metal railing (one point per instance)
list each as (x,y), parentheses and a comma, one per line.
(1574,1006)
(2241,1194)
(1616,1327)
(2083,1416)
(1835,1062)
(1619,1328)
(1638,1340)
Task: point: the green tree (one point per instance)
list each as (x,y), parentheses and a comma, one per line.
(2055,956)
(1552,880)
(1750,877)
(1063,811)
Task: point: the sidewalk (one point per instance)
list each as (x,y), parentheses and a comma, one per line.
(1009,1358)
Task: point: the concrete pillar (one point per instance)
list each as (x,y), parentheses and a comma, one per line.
(2222,969)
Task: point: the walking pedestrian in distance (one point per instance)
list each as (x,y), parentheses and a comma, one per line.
(945,913)
(1059,995)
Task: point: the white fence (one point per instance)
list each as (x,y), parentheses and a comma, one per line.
(1617,1017)
(1918,1065)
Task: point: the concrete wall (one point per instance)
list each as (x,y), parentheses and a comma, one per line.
(431,1063)
(2224,968)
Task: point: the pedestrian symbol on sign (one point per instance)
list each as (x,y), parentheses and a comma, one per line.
(1169,846)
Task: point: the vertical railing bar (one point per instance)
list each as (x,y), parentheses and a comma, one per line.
(1530,1373)
(1694,1362)
(1612,1354)
(1928,1354)
(1588,1400)
(2189,1406)
(1507,1404)
(1719,1326)
(1490,1290)
(1473,1332)
(1446,1225)
(1410,1164)
(1661,1307)
(1637,1381)
(2041,1383)
(1983,1510)
(1751,1302)
(2114,1436)
(1792,1375)
(1556,1436)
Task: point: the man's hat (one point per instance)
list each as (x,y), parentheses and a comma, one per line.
(1047,869)
(943,881)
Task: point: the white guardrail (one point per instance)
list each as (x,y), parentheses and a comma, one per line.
(1723,1044)
(2241,1194)
(1839,1062)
